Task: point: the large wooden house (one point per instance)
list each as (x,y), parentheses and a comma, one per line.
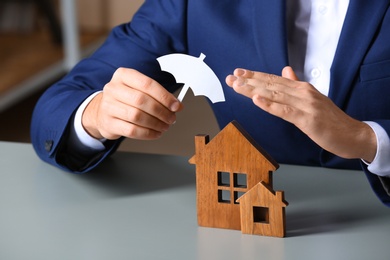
(227,167)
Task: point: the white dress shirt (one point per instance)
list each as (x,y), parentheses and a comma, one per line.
(79,139)
(314,28)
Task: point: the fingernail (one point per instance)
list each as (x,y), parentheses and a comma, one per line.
(165,128)
(175,106)
(172,120)
(232,78)
(240,82)
(239,72)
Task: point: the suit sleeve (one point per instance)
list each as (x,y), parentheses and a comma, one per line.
(380,184)
(156,29)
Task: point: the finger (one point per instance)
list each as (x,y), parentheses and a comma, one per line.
(140,101)
(289,113)
(249,83)
(119,128)
(128,96)
(267,88)
(137,117)
(289,73)
(152,88)
(243,73)
(266,77)
(230,79)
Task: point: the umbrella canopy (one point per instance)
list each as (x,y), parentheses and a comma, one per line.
(194,74)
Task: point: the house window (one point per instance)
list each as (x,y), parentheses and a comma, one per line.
(223,183)
(231,186)
(261,215)
(240,180)
(237,194)
(224,196)
(224,179)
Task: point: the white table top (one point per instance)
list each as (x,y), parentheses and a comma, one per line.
(138,206)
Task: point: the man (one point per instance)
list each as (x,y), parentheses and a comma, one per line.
(338,116)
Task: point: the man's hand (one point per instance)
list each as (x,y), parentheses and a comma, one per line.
(131,105)
(313,113)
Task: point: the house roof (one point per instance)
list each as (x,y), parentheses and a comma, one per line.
(233,135)
(263,186)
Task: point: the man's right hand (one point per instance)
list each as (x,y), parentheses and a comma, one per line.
(131,105)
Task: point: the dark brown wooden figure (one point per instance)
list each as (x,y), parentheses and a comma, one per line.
(227,167)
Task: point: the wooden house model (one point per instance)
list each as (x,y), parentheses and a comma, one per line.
(262,211)
(227,167)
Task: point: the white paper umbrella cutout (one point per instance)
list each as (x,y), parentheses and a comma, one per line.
(194,74)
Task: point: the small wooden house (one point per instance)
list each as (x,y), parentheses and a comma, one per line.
(227,167)
(263,211)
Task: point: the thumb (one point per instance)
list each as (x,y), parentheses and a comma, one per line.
(289,73)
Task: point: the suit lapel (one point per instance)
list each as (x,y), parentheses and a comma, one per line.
(271,41)
(361,23)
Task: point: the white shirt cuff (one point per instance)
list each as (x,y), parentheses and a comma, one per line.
(79,139)
(381,163)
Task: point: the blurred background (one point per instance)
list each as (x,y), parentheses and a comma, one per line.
(40,40)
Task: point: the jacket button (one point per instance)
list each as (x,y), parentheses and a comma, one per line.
(48,145)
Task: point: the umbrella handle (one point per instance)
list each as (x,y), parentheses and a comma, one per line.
(183,92)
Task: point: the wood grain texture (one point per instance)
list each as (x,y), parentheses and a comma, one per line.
(262,211)
(232,152)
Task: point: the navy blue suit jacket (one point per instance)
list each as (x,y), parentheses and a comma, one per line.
(249,34)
